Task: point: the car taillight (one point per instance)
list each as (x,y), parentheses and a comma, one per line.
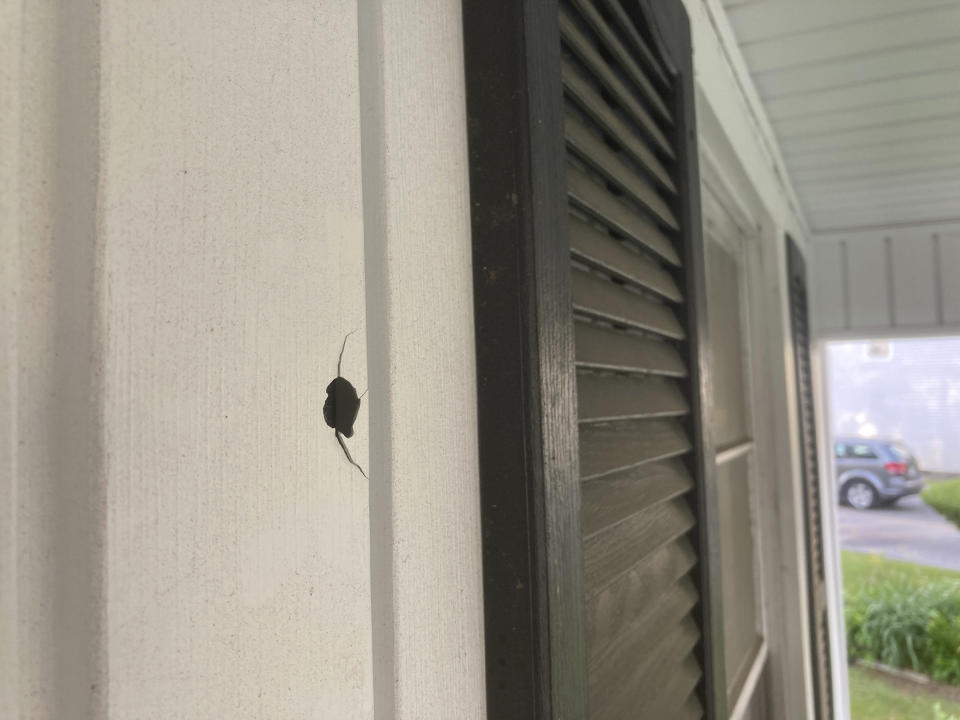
(896,468)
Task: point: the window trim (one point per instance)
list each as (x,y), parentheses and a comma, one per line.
(748,688)
(742,248)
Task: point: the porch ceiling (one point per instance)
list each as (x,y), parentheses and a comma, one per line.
(864,97)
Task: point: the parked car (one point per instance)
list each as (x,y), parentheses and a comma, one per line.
(875,471)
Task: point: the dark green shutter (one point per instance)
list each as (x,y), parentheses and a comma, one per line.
(631,296)
(598,503)
(810,468)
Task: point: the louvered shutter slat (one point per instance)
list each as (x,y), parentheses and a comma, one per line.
(629,291)
(668,698)
(612,498)
(594,152)
(594,199)
(610,447)
(588,99)
(598,297)
(582,47)
(621,397)
(613,44)
(625,24)
(602,251)
(693,710)
(618,548)
(661,681)
(615,607)
(645,628)
(603,348)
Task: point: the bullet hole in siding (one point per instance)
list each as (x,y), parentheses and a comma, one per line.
(341,408)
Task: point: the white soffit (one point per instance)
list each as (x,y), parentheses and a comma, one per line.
(864,98)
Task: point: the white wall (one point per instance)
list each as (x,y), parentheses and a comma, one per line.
(231,238)
(425,505)
(897,281)
(204,200)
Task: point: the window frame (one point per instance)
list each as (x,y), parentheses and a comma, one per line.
(743,251)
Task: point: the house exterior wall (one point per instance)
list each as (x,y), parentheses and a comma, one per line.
(200,203)
(888,282)
(204,201)
(230,239)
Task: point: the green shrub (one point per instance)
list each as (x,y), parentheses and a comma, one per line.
(945,499)
(940,714)
(903,620)
(943,634)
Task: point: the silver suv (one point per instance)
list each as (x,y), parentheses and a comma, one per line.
(875,471)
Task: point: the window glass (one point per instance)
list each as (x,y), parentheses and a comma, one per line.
(841,450)
(741,621)
(736,484)
(726,346)
(900,452)
(862,451)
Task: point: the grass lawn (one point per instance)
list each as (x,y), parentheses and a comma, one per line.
(860,569)
(874,696)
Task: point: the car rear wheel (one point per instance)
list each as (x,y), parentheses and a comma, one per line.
(861,495)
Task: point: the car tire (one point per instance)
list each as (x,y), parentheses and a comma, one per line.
(861,495)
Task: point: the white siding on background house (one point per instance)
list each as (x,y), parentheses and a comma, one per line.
(911,393)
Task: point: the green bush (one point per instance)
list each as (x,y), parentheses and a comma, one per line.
(902,619)
(945,499)
(940,714)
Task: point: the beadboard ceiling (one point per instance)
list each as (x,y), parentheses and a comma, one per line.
(864,97)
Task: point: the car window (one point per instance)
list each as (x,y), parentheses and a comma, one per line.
(840,450)
(900,452)
(861,451)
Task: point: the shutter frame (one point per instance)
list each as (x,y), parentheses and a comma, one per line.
(534,612)
(534,608)
(669,26)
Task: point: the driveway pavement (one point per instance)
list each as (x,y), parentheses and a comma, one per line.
(908,530)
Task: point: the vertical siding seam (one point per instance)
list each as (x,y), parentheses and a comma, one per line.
(891,290)
(937,278)
(845,283)
(78,515)
(378,303)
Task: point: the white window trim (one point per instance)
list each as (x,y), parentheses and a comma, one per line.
(750,682)
(742,250)
(733,452)
(781,525)
(831,534)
